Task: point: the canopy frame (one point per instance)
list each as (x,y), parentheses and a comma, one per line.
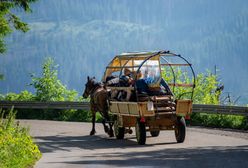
(117,65)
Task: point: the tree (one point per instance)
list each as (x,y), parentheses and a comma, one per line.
(48,87)
(207,91)
(9,21)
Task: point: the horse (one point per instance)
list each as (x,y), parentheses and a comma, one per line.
(98,102)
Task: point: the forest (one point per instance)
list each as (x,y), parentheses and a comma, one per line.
(61,42)
(83,36)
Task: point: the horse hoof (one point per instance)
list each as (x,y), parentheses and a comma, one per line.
(92,133)
(111,133)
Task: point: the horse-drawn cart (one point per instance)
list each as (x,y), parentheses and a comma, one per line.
(148,103)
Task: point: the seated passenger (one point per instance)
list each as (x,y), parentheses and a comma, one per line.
(112,81)
(142,86)
(108,78)
(125,81)
(165,86)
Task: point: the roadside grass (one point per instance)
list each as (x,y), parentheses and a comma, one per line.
(17,149)
(218,120)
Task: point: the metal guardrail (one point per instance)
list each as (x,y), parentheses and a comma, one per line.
(44,105)
(197,108)
(220,109)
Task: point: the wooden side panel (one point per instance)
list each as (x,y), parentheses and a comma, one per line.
(144,111)
(184,107)
(123,107)
(134,109)
(130,109)
(114,108)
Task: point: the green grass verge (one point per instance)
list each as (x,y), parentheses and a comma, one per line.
(17,149)
(218,120)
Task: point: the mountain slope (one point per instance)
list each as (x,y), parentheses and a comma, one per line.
(83,36)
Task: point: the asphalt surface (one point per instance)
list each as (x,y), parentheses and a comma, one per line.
(68,144)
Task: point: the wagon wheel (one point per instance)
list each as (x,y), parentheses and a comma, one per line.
(154,133)
(119,131)
(180,129)
(140,129)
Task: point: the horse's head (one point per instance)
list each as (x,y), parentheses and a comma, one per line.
(89,86)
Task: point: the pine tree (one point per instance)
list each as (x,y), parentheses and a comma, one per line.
(9,21)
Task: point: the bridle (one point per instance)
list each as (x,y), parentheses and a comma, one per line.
(94,88)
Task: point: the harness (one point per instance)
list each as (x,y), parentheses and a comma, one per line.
(95,92)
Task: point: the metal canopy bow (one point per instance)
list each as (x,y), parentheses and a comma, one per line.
(135,61)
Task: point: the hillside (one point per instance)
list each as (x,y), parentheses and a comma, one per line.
(83,36)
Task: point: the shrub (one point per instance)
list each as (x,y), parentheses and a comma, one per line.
(23,96)
(17,148)
(218,120)
(206,85)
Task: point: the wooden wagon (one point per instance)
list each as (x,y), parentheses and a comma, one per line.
(149,112)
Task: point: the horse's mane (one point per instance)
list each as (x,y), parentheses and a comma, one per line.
(95,83)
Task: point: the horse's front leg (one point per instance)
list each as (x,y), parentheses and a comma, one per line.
(93,131)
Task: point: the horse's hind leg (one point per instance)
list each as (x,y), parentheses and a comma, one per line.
(93,131)
(110,131)
(106,129)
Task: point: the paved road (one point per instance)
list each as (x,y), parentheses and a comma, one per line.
(67,144)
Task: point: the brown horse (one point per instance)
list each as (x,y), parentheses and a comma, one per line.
(98,102)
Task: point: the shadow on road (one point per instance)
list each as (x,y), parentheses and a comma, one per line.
(213,157)
(218,156)
(49,144)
